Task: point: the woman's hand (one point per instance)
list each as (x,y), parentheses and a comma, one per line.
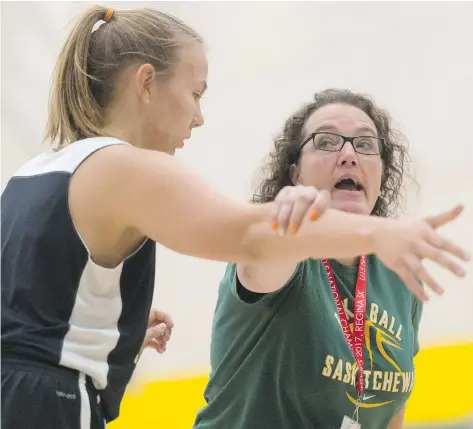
(402,245)
(294,202)
(159,330)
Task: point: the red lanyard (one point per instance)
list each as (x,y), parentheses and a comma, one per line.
(356,339)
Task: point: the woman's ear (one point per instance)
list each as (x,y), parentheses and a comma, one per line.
(144,77)
(294,174)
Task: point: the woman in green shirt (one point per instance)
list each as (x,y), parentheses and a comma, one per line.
(326,343)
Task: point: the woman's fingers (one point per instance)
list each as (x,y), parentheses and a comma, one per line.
(296,202)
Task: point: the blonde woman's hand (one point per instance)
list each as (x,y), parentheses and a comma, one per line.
(403,245)
(159,330)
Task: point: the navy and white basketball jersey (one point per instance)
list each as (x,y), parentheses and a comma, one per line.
(58,306)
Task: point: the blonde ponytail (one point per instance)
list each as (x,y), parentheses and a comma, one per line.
(73,111)
(92,58)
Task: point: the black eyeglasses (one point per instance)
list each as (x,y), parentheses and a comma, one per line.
(331,142)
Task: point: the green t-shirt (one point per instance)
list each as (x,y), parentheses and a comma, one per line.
(280,360)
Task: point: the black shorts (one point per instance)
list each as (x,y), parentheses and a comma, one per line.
(43,397)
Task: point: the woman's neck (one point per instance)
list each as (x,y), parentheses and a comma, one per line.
(349,262)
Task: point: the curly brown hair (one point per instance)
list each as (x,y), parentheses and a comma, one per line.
(276,169)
